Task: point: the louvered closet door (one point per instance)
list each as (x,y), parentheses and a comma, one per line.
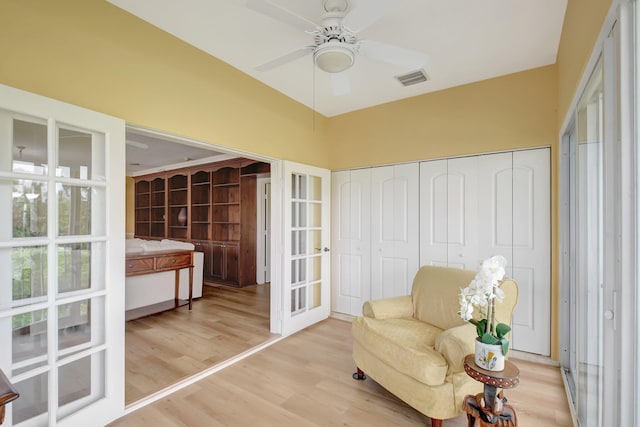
(394,224)
(351,240)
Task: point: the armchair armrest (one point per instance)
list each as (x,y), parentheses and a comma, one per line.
(455,343)
(389,308)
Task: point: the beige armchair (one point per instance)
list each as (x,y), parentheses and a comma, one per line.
(414,346)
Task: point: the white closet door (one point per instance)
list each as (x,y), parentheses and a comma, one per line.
(494,210)
(351,240)
(394,224)
(434,196)
(514,221)
(463,203)
(448,202)
(531,259)
(496,204)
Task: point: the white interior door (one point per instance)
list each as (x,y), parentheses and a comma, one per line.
(307,268)
(394,229)
(61,264)
(495,204)
(351,240)
(448,206)
(531,257)
(434,218)
(463,204)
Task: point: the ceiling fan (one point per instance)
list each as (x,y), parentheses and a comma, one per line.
(335,39)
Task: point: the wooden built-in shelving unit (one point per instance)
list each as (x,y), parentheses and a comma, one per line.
(218,205)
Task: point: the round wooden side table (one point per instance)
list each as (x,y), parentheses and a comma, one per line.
(490,408)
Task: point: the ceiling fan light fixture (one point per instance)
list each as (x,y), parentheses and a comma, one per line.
(334,57)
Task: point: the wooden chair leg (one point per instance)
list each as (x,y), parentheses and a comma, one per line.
(436,422)
(359,375)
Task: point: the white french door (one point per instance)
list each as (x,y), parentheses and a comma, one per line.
(307,269)
(61,265)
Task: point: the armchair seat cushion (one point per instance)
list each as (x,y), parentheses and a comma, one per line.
(406,344)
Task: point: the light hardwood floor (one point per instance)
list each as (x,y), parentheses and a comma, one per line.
(305,380)
(167,347)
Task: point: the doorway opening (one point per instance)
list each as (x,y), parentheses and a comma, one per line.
(211,192)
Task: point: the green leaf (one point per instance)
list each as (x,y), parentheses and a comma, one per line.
(489,339)
(502,330)
(480,325)
(505,346)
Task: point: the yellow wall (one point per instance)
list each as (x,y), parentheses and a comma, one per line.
(514,111)
(130,207)
(582,24)
(93,54)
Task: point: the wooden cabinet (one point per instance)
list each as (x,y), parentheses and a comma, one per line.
(225,262)
(157,211)
(178,208)
(200,202)
(142,212)
(212,206)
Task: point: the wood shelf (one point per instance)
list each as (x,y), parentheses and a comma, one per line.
(219,200)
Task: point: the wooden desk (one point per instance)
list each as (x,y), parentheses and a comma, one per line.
(490,408)
(7,394)
(157,262)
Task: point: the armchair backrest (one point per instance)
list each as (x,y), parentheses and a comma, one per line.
(435,293)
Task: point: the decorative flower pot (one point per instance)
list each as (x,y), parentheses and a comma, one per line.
(489,356)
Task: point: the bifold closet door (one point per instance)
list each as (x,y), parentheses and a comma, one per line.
(448,202)
(351,240)
(394,224)
(495,204)
(531,259)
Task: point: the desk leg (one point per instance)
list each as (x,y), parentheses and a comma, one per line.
(177,286)
(190,287)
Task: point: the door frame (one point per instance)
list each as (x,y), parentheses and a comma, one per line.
(276,315)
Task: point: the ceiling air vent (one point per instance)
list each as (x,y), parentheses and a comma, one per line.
(412,78)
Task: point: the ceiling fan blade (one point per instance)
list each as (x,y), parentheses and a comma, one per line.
(281,14)
(392,54)
(366,14)
(288,57)
(340,84)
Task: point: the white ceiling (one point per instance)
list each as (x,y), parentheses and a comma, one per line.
(466,41)
(149,152)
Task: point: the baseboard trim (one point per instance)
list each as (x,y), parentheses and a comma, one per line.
(531,357)
(341,316)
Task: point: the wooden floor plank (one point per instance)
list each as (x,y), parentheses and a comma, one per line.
(305,380)
(165,348)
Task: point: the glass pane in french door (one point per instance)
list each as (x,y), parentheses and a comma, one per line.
(306,242)
(52,266)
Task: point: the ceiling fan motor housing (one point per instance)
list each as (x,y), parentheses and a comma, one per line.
(335,45)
